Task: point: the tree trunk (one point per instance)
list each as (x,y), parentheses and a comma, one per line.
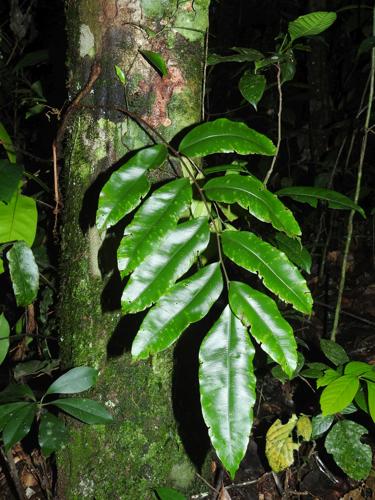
(142,449)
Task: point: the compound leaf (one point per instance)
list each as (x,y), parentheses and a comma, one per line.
(152,221)
(186,302)
(344,443)
(127,186)
(268,327)
(225,136)
(227,387)
(170,260)
(278,273)
(311,24)
(250,193)
(24,273)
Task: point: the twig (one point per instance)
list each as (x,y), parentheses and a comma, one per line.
(8,458)
(279,113)
(346,313)
(357,190)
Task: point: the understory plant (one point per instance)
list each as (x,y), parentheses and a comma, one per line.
(185,243)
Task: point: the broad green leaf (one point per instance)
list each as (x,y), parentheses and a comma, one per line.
(1,265)
(358,368)
(279,373)
(235,166)
(19,424)
(366,44)
(10,176)
(24,273)
(278,273)
(86,410)
(227,387)
(15,392)
(156,60)
(338,394)
(328,377)
(18,219)
(311,24)
(156,216)
(371,399)
(334,352)
(35,367)
(280,445)
(267,325)
(348,410)
(361,400)
(7,411)
(252,87)
(250,193)
(7,144)
(186,302)
(225,136)
(52,433)
(169,494)
(311,195)
(288,67)
(77,379)
(311,373)
(304,428)
(170,260)
(127,186)
(243,55)
(350,453)
(120,75)
(321,424)
(294,251)
(4,337)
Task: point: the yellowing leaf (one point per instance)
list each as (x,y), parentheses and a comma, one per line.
(280,444)
(304,428)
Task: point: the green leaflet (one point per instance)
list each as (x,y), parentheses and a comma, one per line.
(4,337)
(371,399)
(338,394)
(19,424)
(250,193)
(334,352)
(7,144)
(127,186)
(311,24)
(358,368)
(321,424)
(156,61)
(350,453)
(77,379)
(252,87)
(268,327)
(170,260)
(278,273)
(52,433)
(186,302)
(169,494)
(311,195)
(225,136)
(227,386)
(86,410)
(157,215)
(294,250)
(24,273)
(18,219)
(10,177)
(328,377)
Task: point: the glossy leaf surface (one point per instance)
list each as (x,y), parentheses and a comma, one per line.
(278,273)
(155,60)
(312,195)
(250,193)
(311,24)
(18,219)
(280,445)
(321,424)
(170,260)
(10,176)
(252,87)
(4,337)
(52,433)
(371,399)
(350,453)
(8,410)
(187,302)
(77,379)
(127,186)
(24,273)
(334,352)
(358,368)
(157,215)
(338,394)
(227,387)
(225,136)
(19,424)
(86,410)
(259,312)
(294,251)
(328,377)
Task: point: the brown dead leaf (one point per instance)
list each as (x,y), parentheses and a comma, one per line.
(224,495)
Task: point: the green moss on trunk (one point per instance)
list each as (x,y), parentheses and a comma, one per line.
(142,448)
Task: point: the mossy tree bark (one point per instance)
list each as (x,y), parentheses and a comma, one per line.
(142,449)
